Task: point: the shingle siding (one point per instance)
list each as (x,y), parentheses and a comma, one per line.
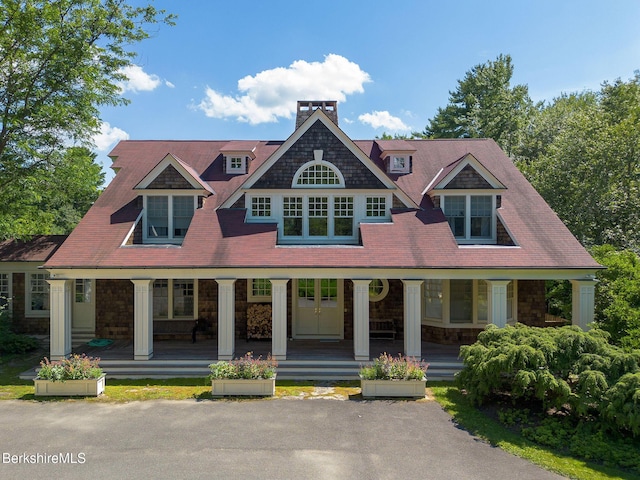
(318,137)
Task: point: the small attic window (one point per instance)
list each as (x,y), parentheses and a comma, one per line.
(399,164)
(236,164)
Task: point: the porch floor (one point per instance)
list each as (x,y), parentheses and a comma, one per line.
(309,350)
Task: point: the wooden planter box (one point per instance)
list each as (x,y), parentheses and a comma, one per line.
(393,388)
(241,387)
(91,387)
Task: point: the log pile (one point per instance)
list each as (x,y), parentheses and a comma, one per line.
(258,321)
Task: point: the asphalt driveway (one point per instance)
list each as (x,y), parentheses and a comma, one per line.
(265,439)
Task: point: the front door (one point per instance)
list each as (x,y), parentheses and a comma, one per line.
(318,308)
(84,312)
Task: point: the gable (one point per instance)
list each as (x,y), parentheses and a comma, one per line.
(170,178)
(319,137)
(468,177)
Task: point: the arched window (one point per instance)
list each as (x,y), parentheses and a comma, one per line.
(318,174)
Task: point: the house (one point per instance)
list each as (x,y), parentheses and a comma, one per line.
(24,290)
(335,239)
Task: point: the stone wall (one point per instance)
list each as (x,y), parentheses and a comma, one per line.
(114,309)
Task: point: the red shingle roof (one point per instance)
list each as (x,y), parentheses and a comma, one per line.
(38,249)
(414,239)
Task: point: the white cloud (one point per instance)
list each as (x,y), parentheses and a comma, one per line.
(169,84)
(384,120)
(108,136)
(138,80)
(273,93)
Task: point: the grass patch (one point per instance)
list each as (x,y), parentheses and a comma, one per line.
(479,424)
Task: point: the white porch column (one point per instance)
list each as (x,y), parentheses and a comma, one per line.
(142,319)
(412,318)
(279,318)
(60,304)
(226,318)
(497,302)
(361,319)
(582,302)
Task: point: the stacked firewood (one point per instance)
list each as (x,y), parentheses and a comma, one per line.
(259,321)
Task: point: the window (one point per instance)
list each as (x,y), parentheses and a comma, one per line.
(376,207)
(168,217)
(343,216)
(259,290)
(236,163)
(5,293)
(174,299)
(83,290)
(261,206)
(38,294)
(378,289)
(398,164)
(433,298)
(292,218)
(318,216)
(461,301)
(483,301)
(471,217)
(318,174)
(510,298)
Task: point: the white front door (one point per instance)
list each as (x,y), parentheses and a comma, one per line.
(84,311)
(318,308)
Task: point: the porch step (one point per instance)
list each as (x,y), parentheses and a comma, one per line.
(309,370)
(80,338)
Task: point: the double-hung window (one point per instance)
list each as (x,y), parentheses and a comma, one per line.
(471,217)
(38,294)
(168,217)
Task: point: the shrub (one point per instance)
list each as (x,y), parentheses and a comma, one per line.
(76,367)
(386,367)
(14,343)
(246,367)
(563,368)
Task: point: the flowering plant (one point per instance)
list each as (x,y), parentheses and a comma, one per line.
(386,367)
(76,367)
(246,367)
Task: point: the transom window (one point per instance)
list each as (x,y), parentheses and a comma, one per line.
(168,217)
(471,217)
(173,299)
(318,174)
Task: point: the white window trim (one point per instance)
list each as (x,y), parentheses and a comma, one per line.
(383,293)
(330,166)
(9,289)
(251,298)
(249,207)
(229,163)
(28,311)
(445,321)
(467,239)
(170,238)
(404,168)
(170,300)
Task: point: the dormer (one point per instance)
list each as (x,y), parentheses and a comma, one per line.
(397,156)
(237,156)
(171,192)
(469,195)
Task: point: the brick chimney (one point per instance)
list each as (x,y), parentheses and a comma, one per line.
(307,107)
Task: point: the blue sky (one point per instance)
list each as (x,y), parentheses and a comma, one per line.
(234,69)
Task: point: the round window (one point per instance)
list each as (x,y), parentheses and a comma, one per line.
(378,289)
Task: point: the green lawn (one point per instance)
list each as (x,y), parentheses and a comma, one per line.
(445,393)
